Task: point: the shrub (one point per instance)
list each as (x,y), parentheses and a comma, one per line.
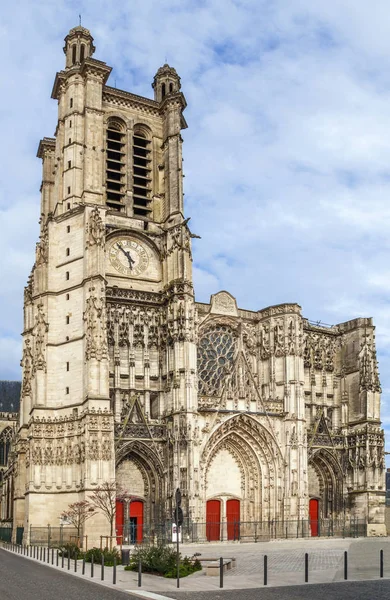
(161,560)
(109,556)
(72,548)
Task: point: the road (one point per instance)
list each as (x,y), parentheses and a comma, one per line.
(354,590)
(23,579)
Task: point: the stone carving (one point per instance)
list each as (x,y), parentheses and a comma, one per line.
(134,296)
(279,347)
(281,309)
(42,249)
(223,303)
(319,351)
(249,337)
(95,325)
(96,235)
(27,364)
(264,341)
(369,376)
(28,290)
(40,330)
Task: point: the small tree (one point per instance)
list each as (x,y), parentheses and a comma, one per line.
(105,497)
(77,513)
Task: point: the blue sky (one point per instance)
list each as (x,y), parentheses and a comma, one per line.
(287,154)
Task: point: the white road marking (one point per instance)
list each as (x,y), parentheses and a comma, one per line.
(151,595)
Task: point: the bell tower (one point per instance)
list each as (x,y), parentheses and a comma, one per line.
(109,358)
(78,46)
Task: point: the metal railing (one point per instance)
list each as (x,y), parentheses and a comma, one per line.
(255,531)
(52,536)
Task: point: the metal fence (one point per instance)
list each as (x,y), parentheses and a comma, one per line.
(249,531)
(52,536)
(195,532)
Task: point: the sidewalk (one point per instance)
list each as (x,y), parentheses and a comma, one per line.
(285,565)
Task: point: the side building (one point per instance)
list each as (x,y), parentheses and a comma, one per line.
(9,423)
(257,416)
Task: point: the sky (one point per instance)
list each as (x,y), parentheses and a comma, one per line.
(286,157)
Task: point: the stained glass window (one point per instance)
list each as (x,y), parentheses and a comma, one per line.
(215,356)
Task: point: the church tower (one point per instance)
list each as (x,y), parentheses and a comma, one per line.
(109,359)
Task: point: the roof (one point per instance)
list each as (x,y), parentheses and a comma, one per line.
(9,396)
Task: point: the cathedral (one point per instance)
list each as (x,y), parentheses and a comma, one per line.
(257,416)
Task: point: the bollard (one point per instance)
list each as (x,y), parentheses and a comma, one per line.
(221,572)
(44,555)
(62,558)
(83,569)
(57,558)
(92,565)
(34,551)
(52,556)
(139,573)
(68,560)
(381,563)
(48,555)
(306,567)
(114,572)
(40,553)
(265,570)
(75,562)
(345,565)
(102,574)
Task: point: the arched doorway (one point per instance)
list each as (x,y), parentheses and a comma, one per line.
(139,473)
(213,520)
(238,462)
(325,485)
(233,519)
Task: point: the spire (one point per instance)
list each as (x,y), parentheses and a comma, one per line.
(166,81)
(78,46)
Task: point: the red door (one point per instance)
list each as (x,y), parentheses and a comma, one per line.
(233,519)
(313,514)
(213,520)
(119,518)
(137,519)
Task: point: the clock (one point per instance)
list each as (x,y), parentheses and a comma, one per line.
(128,256)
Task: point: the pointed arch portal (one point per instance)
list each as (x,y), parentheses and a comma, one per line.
(241,472)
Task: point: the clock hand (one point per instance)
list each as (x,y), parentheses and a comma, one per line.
(127,254)
(131,260)
(121,248)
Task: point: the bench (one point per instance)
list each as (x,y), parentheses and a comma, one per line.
(213,567)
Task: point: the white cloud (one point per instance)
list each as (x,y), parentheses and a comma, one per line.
(287,157)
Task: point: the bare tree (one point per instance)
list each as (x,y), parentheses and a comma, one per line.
(77,513)
(105,497)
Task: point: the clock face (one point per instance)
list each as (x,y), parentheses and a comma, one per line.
(128,256)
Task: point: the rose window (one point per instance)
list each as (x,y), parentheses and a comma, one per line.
(215,357)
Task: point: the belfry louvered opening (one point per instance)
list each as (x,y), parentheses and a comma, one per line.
(116,165)
(142,179)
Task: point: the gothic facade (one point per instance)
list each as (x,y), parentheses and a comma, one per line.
(254,415)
